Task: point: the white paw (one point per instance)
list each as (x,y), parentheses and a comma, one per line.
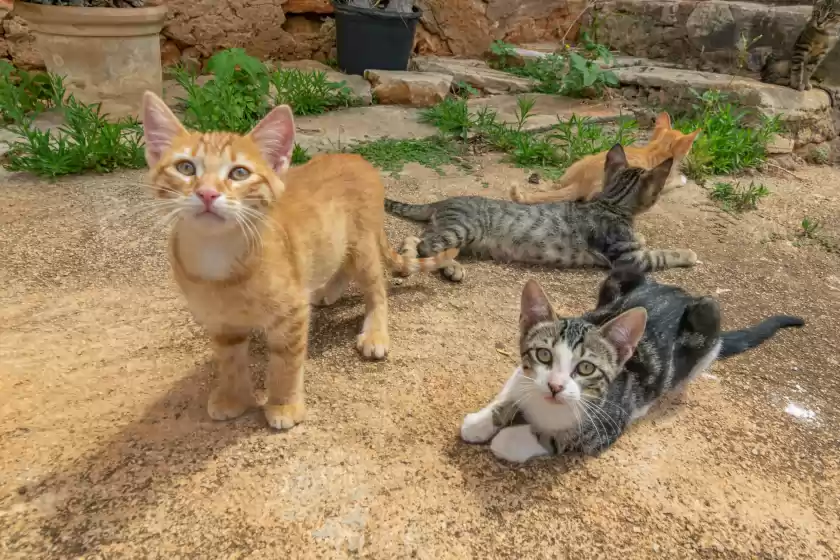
(517,444)
(683,180)
(478,427)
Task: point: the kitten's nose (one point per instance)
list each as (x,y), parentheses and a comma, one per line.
(555,388)
(208,196)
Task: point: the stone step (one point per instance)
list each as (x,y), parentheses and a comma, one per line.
(337,130)
(706,35)
(473,72)
(548,109)
(807,116)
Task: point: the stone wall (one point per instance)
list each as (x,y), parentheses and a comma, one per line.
(300,29)
(706,34)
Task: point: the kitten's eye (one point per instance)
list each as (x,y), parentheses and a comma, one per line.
(185,168)
(585,368)
(239,174)
(544,356)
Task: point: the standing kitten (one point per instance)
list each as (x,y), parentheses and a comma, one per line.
(254,243)
(815,42)
(599,232)
(583,381)
(584,179)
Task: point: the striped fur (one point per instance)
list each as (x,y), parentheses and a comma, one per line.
(564,234)
(671,337)
(819,38)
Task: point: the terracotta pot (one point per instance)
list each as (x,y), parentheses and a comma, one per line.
(106,55)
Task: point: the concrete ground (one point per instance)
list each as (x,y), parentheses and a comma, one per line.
(106,449)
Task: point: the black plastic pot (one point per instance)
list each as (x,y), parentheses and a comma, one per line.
(373,39)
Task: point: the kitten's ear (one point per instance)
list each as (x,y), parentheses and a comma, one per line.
(535,306)
(663,120)
(683,145)
(160,127)
(615,162)
(660,173)
(625,331)
(275,137)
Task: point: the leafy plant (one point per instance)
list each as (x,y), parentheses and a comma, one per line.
(502,53)
(579,137)
(86,142)
(310,93)
(239,93)
(23,93)
(300,155)
(451,116)
(392,155)
(464,90)
(727,144)
(592,49)
(809,227)
(737,198)
(236,97)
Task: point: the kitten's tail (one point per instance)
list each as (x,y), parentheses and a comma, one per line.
(406,264)
(736,342)
(415,212)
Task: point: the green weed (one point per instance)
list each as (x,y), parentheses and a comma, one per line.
(737,198)
(310,93)
(809,228)
(464,90)
(727,144)
(300,155)
(240,94)
(576,74)
(23,93)
(392,155)
(86,142)
(551,152)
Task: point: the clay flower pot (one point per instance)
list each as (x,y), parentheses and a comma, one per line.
(106,55)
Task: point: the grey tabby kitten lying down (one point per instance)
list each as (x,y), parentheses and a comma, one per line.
(583,380)
(563,234)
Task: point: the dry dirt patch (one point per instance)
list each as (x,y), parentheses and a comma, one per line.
(106,449)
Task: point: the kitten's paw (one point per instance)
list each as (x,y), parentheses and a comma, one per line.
(808,86)
(454,272)
(323,298)
(409,247)
(517,444)
(373,345)
(478,427)
(683,180)
(516,194)
(284,416)
(223,405)
(689,257)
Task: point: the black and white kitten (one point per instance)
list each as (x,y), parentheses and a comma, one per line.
(583,380)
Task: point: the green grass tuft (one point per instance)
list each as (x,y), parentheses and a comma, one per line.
(392,155)
(737,198)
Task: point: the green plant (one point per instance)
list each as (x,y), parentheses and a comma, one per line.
(23,93)
(451,116)
(737,198)
(727,144)
(502,53)
(234,100)
(809,227)
(300,155)
(589,46)
(86,142)
(392,155)
(464,90)
(579,137)
(310,93)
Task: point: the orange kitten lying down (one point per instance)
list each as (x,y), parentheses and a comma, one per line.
(254,242)
(584,178)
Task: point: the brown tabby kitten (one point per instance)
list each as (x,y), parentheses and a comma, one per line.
(254,242)
(818,39)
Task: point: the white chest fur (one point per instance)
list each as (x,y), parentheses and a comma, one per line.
(211,258)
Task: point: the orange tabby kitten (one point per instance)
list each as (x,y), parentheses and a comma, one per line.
(584,179)
(255,242)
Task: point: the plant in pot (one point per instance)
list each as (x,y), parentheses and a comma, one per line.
(374,34)
(108,51)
